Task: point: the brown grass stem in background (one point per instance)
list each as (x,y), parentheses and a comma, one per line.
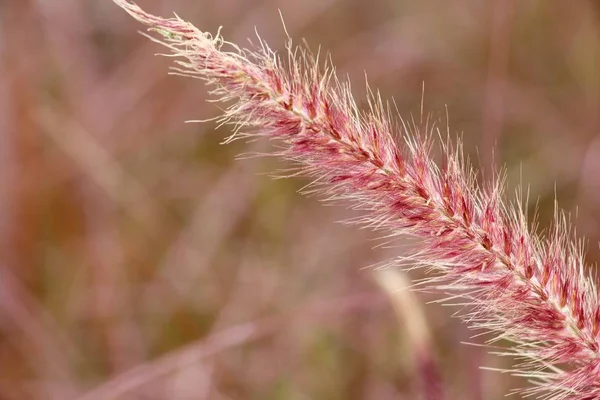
(528,289)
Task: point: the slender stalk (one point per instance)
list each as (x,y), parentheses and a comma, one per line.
(528,289)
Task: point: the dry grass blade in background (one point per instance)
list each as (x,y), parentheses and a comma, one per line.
(528,289)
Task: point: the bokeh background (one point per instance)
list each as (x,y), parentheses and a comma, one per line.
(138,260)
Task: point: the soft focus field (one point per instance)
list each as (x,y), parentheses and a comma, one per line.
(139,260)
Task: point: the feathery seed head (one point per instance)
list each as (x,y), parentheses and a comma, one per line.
(523,288)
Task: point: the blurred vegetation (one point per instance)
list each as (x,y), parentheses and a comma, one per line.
(140,261)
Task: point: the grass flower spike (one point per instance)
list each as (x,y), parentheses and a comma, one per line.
(521,287)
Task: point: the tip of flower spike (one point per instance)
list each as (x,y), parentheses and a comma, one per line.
(131,8)
(172,29)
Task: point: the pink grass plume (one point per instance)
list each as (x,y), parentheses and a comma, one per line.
(519,286)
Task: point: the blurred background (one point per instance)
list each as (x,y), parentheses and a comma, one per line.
(140,261)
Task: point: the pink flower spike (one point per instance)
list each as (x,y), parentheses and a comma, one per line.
(524,288)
